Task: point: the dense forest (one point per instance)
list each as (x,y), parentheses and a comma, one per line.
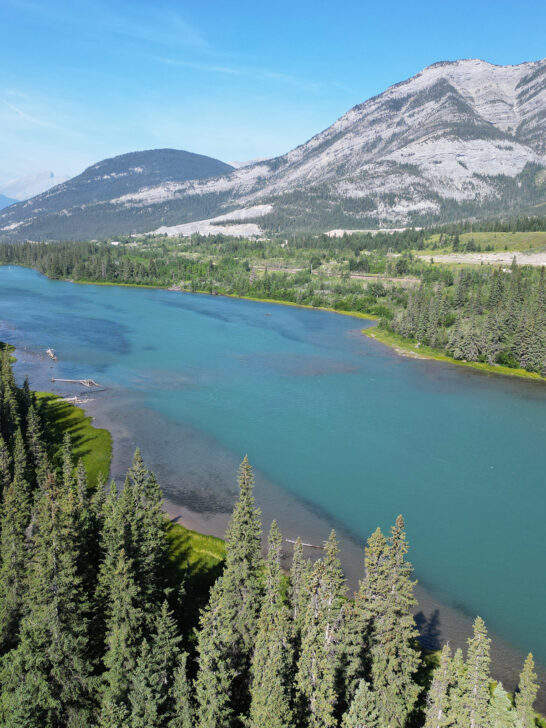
(494,315)
(95,631)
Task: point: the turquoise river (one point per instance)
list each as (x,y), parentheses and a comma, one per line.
(342,432)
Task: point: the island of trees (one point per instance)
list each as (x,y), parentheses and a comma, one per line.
(96,629)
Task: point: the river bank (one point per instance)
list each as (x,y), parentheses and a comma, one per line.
(404,347)
(342,425)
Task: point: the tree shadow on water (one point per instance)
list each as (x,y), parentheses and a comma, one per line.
(429,630)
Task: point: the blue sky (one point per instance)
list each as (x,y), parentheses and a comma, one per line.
(88,79)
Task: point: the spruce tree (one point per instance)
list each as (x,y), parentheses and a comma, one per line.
(456,714)
(144,697)
(437,708)
(37,456)
(368,604)
(13,562)
(19,458)
(182,713)
(363,712)
(526,693)
(5,466)
(215,674)
(476,685)
(47,677)
(228,633)
(501,714)
(272,659)
(319,662)
(123,638)
(395,658)
(10,419)
(299,578)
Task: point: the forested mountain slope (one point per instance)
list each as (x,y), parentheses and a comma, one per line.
(80,207)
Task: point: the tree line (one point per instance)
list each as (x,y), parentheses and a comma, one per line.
(94,630)
(491,315)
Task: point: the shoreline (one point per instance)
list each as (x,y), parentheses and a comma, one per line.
(311,524)
(405,347)
(402,347)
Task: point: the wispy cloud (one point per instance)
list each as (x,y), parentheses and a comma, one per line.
(257,74)
(28,117)
(155,23)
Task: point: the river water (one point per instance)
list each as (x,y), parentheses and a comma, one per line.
(342,432)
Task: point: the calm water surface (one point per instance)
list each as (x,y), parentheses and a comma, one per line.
(353,431)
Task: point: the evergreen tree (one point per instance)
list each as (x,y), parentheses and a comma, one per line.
(5,466)
(19,458)
(13,562)
(319,662)
(182,713)
(501,714)
(272,659)
(368,604)
(456,714)
(47,677)
(124,635)
(144,697)
(215,674)
(437,708)
(395,658)
(299,578)
(37,457)
(9,409)
(476,687)
(363,712)
(526,693)
(234,607)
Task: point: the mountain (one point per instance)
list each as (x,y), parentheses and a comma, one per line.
(459,139)
(81,207)
(23,188)
(6,201)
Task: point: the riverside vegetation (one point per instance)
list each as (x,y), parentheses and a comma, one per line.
(98,629)
(492,315)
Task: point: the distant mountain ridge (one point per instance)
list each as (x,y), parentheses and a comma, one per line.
(80,207)
(459,139)
(6,201)
(30,185)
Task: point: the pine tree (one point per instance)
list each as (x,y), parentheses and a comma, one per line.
(5,466)
(124,635)
(272,659)
(182,713)
(363,712)
(395,659)
(501,714)
(526,693)
(154,546)
(368,604)
(144,697)
(300,572)
(476,687)
(47,677)
(229,634)
(438,695)
(19,458)
(319,662)
(165,655)
(37,457)
(215,674)
(13,562)
(456,714)
(10,419)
